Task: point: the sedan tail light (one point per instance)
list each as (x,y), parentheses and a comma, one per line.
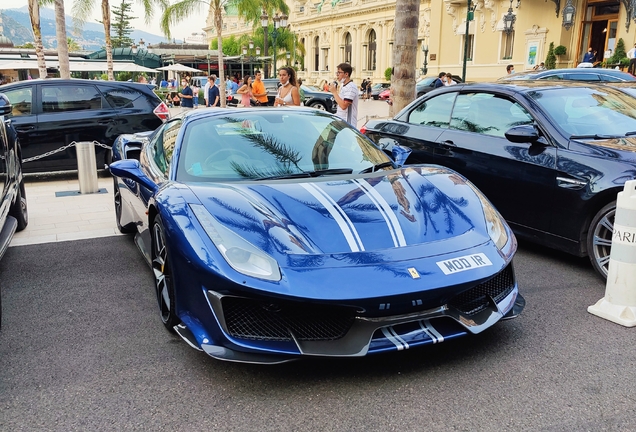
(162,112)
(363,129)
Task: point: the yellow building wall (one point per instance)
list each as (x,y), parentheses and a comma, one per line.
(442,26)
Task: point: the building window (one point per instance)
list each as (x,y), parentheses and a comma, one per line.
(347,50)
(471,45)
(316,53)
(507,42)
(372,51)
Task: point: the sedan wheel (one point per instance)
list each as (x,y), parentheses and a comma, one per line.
(19,209)
(161,269)
(599,238)
(319,105)
(125,229)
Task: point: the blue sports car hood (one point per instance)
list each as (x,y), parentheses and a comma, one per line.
(389,209)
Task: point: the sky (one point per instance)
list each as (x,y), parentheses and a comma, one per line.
(184,29)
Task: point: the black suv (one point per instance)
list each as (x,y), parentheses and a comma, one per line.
(50,114)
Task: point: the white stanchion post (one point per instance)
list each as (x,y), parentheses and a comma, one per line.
(86,167)
(619,303)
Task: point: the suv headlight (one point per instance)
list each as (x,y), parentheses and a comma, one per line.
(240,254)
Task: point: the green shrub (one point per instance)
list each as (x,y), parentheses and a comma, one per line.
(550,59)
(387,74)
(619,53)
(560,50)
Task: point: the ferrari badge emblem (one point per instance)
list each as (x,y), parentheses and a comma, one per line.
(414,273)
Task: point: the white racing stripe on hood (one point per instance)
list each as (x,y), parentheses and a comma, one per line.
(387,212)
(341,218)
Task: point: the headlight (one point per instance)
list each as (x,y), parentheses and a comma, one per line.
(494,224)
(239,253)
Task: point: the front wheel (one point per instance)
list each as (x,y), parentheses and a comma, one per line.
(19,208)
(162,270)
(599,238)
(319,105)
(124,229)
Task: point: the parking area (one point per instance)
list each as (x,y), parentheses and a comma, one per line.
(83,348)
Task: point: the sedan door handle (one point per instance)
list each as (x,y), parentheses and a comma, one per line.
(24,128)
(448,143)
(105,122)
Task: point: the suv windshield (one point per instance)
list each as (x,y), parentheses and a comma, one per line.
(593,112)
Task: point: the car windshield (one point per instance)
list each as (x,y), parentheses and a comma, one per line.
(583,112)
(310,88)
(425,82)
(273,144)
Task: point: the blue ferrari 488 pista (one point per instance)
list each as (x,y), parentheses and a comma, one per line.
(277,233)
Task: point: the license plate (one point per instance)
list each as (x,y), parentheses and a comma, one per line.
(463,263)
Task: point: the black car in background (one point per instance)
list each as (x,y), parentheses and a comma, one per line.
(427,84)
(572,74)
(50,114)
(376,89)
(550,156)
(313,96)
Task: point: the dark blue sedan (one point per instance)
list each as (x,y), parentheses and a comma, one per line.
(278,233)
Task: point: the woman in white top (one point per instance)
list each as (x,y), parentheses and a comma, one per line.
(288,93)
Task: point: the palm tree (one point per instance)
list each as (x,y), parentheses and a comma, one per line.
(182,10)
(34,13)
(404,52)
(62,43)
(82,10)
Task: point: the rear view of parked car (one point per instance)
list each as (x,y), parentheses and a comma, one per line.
(51,114)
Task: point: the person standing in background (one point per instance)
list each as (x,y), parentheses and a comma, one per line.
(345,92)
(631,54)
(195,96)
(213,93)
(258,90)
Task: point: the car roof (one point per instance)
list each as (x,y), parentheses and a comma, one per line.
(73,81)
(551,72)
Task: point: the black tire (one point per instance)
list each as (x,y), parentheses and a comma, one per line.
(318,105)
(162,270)
(19,209)
(124,229)
(599,238)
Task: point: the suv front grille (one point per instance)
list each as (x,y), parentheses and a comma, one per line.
(475,299)
(271,321)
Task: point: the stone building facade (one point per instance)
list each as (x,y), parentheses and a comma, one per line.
(362,32)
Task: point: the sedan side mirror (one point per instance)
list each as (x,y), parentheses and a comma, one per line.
(400,154)
(522,134)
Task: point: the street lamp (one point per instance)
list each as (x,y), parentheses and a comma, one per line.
(279,22)
(288,55)
(425,51)
(265,25)
(470,13)
(568,15)
(244,52)
(509,20)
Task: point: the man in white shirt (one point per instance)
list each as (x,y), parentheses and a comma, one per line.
(345,92)
(631,54)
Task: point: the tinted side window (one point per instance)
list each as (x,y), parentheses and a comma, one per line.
(582,77)
(487,114)
(20,99)
(70,98)
(121,97)
(609,78)
(163,145)
(554,77)
(433,112)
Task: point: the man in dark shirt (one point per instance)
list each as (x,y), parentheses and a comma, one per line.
(213,93)
(438,82)
(186,96)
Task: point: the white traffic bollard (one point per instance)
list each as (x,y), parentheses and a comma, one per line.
(86,167)
(619,303)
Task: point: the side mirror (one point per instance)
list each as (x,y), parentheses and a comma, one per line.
(130,169)
(522,134)
(5,105)
(400,154)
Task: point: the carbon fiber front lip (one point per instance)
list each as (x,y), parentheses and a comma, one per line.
(357,340)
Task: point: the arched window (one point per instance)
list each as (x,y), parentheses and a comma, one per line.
(348,43)
(316,53)
(372,51)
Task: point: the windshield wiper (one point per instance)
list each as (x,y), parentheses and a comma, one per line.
(376,167)
(305,174)
(594,136)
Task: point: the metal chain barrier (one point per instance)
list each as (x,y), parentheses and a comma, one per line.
(61,149)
